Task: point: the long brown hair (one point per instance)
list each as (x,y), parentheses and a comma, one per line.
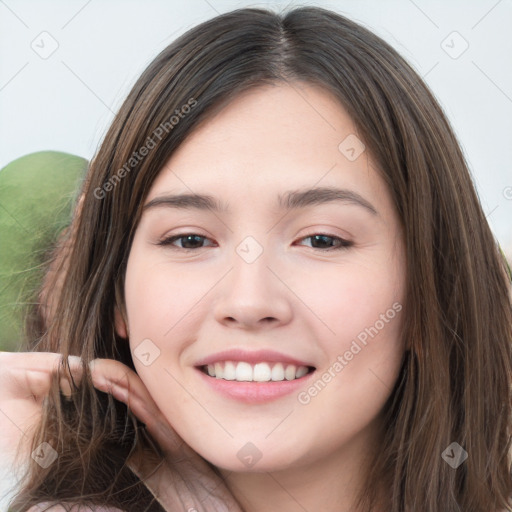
(454,385)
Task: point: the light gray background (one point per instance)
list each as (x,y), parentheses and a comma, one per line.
(67,100)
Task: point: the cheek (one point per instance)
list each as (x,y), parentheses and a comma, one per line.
(157,297)
(358,328)
(365,352)
(163,308)
(345,303)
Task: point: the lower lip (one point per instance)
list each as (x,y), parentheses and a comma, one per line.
(255,392)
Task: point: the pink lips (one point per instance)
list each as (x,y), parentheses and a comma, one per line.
(253,392)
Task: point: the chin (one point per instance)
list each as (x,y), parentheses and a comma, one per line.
(249,459)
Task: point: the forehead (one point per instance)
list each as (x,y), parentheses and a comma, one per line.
(269,141)
(272,121)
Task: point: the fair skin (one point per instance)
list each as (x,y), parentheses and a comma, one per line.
(191,305)
(298,298)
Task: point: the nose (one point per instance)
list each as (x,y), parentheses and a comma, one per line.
(253,295)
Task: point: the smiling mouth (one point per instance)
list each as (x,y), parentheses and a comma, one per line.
(241,371)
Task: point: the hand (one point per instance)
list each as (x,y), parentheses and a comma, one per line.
(182,482)
(25,379)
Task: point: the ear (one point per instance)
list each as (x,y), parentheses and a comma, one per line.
(120,323)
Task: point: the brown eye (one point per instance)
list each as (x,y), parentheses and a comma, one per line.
(325,242)
(190,241)
(319,241)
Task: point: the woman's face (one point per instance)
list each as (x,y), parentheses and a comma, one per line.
(315,278)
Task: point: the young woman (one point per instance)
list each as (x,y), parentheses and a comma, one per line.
(280,292)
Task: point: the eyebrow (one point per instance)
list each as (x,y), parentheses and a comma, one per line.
(290,200)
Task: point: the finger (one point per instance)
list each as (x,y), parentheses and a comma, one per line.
(39,361)
(125,385)
(29,374)
(116,378)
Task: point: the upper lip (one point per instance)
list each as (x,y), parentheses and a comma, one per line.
(253,357)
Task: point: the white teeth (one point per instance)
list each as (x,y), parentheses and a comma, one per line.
(229,371)
(278,372)
(260,372)
(243,372)
(301,371)
(289,373)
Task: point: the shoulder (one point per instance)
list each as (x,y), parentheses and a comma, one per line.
(48,507)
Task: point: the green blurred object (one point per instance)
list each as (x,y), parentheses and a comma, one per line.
(37,194)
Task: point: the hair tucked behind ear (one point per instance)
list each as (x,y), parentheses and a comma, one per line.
(455,381)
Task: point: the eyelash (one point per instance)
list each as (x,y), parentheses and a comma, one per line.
(343,244)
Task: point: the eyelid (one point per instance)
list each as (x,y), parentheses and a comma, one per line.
(344,242)
(168,240)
